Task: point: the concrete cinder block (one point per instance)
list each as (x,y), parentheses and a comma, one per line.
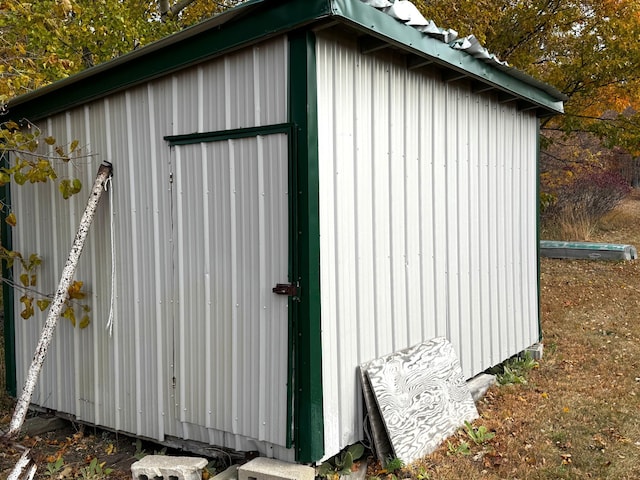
(164,467)
(269,469)
(230,473)
(536,350)
(479,385)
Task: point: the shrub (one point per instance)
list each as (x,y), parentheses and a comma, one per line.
(577,207)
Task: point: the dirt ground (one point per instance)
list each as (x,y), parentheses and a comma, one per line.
(577,416)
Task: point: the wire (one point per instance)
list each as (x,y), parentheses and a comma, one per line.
(107,186)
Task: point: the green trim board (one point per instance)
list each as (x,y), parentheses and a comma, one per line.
(7,290)
(257,20)
(229,134)
(538,227)
(309,422)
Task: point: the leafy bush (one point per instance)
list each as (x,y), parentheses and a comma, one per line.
(576,207)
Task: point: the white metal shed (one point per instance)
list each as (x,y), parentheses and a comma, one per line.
(385,177)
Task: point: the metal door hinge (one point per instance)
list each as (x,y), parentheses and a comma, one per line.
(290,289)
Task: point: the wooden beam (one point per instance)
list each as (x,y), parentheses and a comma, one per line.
(414,62)
(479,87)
(506,98)
(453,76)
(370,45)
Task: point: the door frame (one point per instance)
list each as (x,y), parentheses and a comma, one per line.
(293,276)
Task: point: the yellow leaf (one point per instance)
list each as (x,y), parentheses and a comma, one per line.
(11,219)
(24,279)
(50,140)
(110,450)
(73,145)
(43,304)
(84,323)
(75,290)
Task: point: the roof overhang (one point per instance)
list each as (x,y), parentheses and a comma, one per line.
(257,20)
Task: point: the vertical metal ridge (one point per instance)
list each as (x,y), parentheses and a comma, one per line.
(235,335)
(262,380)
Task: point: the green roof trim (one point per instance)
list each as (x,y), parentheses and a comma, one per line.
(379,24)
(254,21)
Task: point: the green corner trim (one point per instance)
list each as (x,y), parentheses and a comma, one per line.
(7,291)
(308,422)
(538,230)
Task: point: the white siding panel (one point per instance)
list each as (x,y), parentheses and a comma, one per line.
(427,221)
(125,381)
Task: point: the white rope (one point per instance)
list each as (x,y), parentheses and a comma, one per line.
(107,187)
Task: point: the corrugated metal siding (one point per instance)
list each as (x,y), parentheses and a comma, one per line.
(125,381)
(427,220)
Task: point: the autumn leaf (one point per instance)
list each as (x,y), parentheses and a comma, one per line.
(70,315)
(84,322)
(43,304)
(75,290)
(11,219)
(28,311)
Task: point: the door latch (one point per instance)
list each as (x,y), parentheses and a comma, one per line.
(290,289)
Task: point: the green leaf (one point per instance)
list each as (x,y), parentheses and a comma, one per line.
(20,178)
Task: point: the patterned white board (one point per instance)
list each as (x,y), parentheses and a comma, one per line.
(422,396)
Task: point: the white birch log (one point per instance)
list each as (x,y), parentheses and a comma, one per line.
(23,463)
(58,303)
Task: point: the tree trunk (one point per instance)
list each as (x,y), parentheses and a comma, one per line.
(104,172)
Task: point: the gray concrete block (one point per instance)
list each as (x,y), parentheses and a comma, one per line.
(536,350)
(479,385)
(270,469)
(164,467)
(230,473)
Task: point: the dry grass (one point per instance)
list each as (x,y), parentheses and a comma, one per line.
(578,417)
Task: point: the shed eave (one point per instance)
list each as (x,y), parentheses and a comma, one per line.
(257,20)
(378,24)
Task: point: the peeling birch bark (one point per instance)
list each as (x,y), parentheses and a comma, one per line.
(23,463)
(58,303)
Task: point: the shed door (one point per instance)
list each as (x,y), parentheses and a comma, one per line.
(231,236)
